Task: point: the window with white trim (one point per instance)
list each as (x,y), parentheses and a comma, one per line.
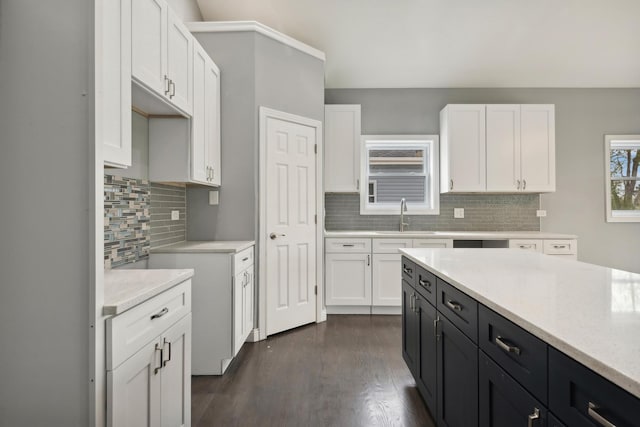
(396,167)
(622,163)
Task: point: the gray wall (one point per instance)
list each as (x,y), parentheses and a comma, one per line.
(188,10)
(583,117)
(46,179)
(255,71)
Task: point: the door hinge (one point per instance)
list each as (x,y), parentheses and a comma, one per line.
(315,290)
(315,148)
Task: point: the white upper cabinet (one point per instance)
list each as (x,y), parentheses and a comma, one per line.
(462,148)
(161,54)
(342,148)
(503,148)
(513,146)
(538,148)
(205,138)
(113,81)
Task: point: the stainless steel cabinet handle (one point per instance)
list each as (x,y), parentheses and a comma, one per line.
(274,236)
(157,368)
(533,417)
(172,85)
(348,245)
(424,283)
(407,270)
(368,259)
(245,258)
(358,184)
(166,85)
(454,305)
(506,347)
(164,363)
(560,246)
(524,184)
(435,328)
(451,185)
(518,184)
(160,313)
(411,302)
(416,298)
(593,413)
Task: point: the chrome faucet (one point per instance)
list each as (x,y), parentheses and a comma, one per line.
(403,209)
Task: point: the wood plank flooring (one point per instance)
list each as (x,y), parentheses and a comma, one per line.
(347,371)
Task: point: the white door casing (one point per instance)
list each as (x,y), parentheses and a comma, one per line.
(288,209)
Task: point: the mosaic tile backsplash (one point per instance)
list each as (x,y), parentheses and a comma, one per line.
(126,220)
(482,212)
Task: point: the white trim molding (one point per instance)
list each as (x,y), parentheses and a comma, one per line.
(244,26)
(624,142)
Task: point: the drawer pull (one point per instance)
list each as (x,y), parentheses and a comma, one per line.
(506,347)
(559,246)
(157,368)
(348,246)
(533,417)
(424,283)
(454,305)
(407,270)
(245,259)
(164,363)
(160,313)
(593,413)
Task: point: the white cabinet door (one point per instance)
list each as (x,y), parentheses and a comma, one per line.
(348,279)
(463,148)
(387,281)
(212,118)
(238,311)
(113,97)
(134,389)
(199,144)
(175,387)
(247,301)
(342,148)
(538,153)
(503,148)
(149,53)
(179,62)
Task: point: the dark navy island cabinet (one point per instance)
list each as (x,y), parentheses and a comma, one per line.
(475,368)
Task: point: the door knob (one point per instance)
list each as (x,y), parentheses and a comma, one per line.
(274,236)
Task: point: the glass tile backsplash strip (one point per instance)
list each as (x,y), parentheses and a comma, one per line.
(126,220)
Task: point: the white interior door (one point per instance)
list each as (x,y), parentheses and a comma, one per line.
(290,231)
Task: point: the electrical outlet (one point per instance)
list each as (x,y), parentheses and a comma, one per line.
(541,212)
(458,212)
(175,215)
(214,198)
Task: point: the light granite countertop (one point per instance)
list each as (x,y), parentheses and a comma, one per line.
(590,313)
(463,235)
(124,289)
(193,246)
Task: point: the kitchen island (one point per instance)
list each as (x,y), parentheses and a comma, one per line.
(495,334)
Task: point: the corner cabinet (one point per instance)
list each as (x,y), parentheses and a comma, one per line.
(342,148)
(149,380)
(497,148)
(113,81)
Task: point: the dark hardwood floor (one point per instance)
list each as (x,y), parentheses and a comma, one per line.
(345,372)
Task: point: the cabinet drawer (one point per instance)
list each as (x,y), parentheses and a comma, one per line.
(579,396)
(426,284)
(390,246)
(432,243)
(560,247)
(347,245)
(518,352)
(131,330)
(409,271)
(459,308)
(243,260)
(526,244)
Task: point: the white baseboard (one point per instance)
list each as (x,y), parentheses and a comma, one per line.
(254,335)
(349,309)
(386,310)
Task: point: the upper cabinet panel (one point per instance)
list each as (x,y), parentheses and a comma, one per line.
(538,148)
(149,44)
(503,148)
(462,148)
(342,148)
(179,63)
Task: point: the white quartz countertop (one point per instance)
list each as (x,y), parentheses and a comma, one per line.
(124,289)
(588,312)
(205,247)
(466,235)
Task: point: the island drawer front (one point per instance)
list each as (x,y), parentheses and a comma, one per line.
(426,284)
(459,308)
(573,388)
(534,245)
(409,271)
(554,422)
(131,330)
(243,260)
(337,245)
(560,247)
(390,246)
(518,352)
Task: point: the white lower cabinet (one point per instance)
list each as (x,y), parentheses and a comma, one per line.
(386,282)
(348,279)
(152,386)
(560,248)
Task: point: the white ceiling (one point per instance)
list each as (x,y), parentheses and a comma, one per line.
(458,43)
